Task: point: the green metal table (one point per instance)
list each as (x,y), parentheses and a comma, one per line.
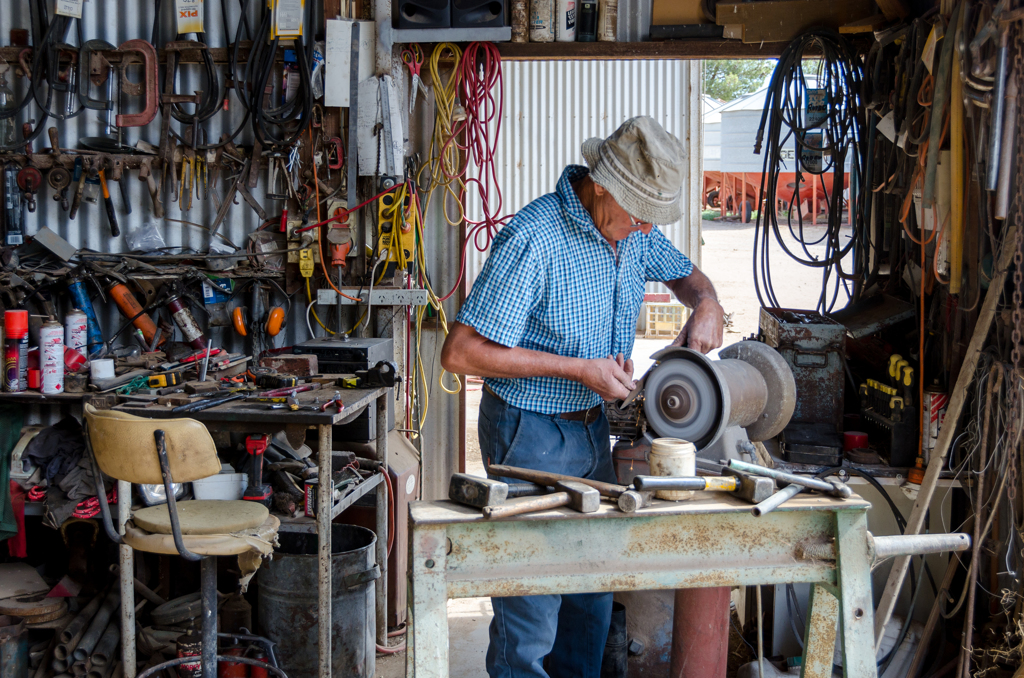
(712,540)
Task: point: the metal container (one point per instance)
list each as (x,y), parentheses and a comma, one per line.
(76,330)
(51,357)
(288,602)
(13,647)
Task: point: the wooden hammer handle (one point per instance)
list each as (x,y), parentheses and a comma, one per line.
(549,479)
(527,505)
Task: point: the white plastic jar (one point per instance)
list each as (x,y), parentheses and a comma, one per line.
(673,457)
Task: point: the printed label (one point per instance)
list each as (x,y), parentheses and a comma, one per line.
(288,18)
(190,15)
(815,107)
(72,8)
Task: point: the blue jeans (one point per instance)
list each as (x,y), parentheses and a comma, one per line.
(570,630)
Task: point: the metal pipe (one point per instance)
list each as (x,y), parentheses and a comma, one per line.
(381,584)
(140,588)
(96,627)
(776,500)
(956,157)
(1009,121)
(104,652)
(700,633)
(791,478)
(323,529)
(916,544)
(998,108)
(208,585)
(126,559)
(69,637)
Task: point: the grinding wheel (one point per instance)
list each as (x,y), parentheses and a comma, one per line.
(34,605)
(682,400)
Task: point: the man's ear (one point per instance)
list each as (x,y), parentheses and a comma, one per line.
(599,190)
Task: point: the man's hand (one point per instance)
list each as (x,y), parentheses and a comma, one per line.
(612,379)
(704,330)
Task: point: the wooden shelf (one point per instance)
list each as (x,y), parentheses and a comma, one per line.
(432,35)
(714,48)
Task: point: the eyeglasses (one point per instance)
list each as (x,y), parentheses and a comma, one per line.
(636,223)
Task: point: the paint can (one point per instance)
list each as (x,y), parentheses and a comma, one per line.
(565,20)
(542,20)
(185,321)
(520,21)
(935,401)
(673,457)
(15,350)
(51,357)
(607,20)
(76,330)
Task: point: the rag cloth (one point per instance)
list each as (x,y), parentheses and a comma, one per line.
(57,448)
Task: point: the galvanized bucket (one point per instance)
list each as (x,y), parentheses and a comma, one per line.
(288,602)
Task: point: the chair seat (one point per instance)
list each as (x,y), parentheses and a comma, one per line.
(203,517)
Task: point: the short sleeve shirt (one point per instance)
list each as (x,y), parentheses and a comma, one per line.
(553,283)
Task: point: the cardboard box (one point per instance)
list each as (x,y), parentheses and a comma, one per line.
(677,13)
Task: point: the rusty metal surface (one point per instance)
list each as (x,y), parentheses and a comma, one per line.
(454,553)
(821,634)
(814,347)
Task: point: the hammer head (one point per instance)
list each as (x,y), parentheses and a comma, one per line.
(475,491)
(582,498)
(752,488)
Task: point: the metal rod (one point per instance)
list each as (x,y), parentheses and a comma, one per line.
(97,626)
(791,478)
(682,483)
(760,634)
(382,520)
(918,544)
(127,566)
(208,577)
(776,500)
(323,530)
(73,632)
(998,107)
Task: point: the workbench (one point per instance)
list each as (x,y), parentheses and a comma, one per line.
(709,541)
(240,416)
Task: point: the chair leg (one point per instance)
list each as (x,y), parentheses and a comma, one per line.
(208,574)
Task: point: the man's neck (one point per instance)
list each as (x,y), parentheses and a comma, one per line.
(584,189)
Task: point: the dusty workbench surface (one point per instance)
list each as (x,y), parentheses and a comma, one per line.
(434,512)
(354,399)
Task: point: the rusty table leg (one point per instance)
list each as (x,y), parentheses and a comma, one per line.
(822,616)
(427,654)
(127,575)
(856,607)
(323,530)
(382,520)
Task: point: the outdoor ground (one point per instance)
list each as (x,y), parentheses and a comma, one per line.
(727,257)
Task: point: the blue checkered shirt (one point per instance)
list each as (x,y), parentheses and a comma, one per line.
(552,283)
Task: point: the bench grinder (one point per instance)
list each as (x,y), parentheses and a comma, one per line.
(719,405)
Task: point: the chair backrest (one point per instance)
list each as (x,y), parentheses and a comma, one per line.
(125,449)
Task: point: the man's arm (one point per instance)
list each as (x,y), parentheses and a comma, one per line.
(466,351)
(703,331)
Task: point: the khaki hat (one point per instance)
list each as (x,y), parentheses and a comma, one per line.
(642,166)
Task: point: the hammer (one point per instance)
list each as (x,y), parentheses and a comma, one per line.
(575,495)
(745,486)
(480,492)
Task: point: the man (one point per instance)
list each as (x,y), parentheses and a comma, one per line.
(550,325)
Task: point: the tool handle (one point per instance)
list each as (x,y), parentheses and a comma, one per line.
(527,505)
(549,479)
(525,490)
(668,483)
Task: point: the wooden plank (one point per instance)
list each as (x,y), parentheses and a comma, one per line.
(865,25)
(668,49)
(784,20)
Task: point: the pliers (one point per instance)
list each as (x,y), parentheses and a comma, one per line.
(336,401)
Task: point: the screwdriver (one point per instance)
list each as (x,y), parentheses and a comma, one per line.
(109,204)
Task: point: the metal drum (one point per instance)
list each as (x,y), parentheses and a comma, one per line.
(288,602)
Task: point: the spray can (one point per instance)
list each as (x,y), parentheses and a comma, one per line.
(565,20)
(607,20)
(76,330)
(586,28)
(935,401)
(81,298)
(15,351)
(51,357)
(186,323)
(542,20)
(519,20)
(131,308)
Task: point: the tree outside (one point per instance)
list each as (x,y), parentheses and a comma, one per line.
(726,79)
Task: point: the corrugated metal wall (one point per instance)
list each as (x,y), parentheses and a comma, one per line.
(551,107)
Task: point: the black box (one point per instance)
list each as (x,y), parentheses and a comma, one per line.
(335,356)
(478,13)
(423,14)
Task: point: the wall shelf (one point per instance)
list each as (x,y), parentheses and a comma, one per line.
(407,35)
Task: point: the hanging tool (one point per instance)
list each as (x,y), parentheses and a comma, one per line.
(149,85)
(59,178)
(108,203)
(256,491)
(79,178)
(146,175)
(413,58)
(94,68)
(29,180)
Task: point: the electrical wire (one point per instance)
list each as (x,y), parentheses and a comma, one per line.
(783,121)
